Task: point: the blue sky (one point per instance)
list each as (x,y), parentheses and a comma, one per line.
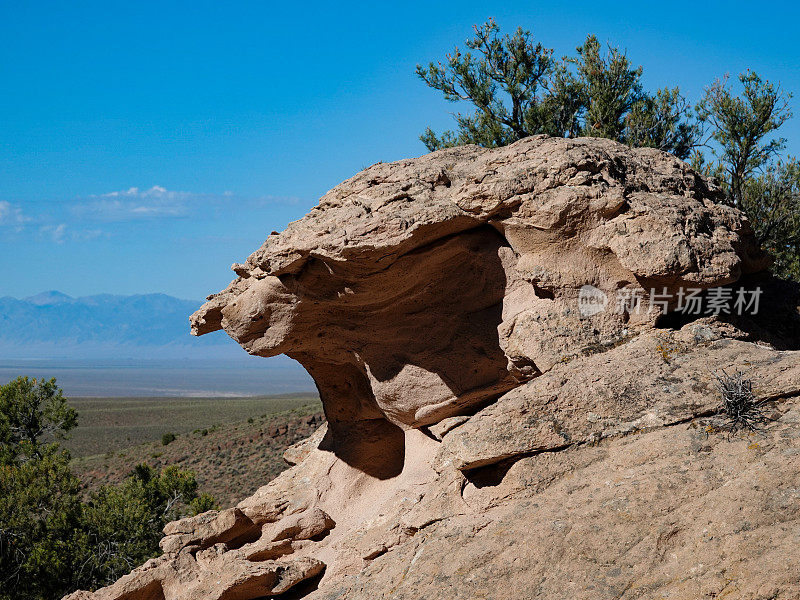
(146,146)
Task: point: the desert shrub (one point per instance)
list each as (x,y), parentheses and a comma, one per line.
(123,523)
(519,88)
(739,403)
(167,439)
(40,509)
(52,540)
(40,526)
(516,87)
(33,415)
(203,503)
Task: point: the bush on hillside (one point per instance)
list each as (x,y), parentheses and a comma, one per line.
(52,540)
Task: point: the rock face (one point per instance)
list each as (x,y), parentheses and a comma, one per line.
(515,408)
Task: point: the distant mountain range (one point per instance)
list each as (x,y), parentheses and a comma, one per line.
(152,326)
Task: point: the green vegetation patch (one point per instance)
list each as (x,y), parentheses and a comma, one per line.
(113,424)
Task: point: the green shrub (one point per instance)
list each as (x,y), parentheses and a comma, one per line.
(167,439)
(52,541)
(203,503)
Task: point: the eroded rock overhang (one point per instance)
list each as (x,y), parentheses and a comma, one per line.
(422,289)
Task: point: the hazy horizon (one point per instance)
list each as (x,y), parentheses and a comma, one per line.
(165,378)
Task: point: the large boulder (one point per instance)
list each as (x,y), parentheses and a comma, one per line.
(419,289)
(516,409)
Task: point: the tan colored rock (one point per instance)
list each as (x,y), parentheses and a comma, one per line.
(300,526)
(670,513)
(486,437)
(213,574)
(656,380)
(206,529)
(445,426)
(297,453)
(485,251)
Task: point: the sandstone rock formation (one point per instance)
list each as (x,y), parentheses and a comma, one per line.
(486,437)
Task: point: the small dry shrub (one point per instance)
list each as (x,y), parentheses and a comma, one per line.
(739,404)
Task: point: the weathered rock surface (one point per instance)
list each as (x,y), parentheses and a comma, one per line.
(485,437)
(419,289)
(656,380)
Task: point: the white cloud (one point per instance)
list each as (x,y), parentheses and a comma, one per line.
(154,192)
(56,232)
(135,203)
(104,215)
(157,202)
(66,233)
(12,215)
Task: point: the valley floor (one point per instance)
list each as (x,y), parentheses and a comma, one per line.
(234,445)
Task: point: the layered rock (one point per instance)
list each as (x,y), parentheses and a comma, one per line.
(419,289)
(488,436)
